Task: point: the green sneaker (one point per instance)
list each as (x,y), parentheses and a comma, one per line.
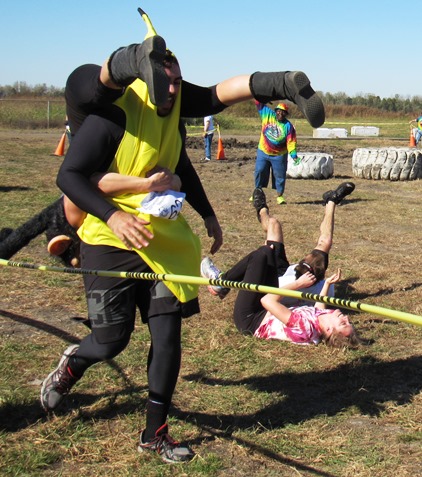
(281,200)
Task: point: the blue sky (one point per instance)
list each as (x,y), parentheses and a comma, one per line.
(355,47)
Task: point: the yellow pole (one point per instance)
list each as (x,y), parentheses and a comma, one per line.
(339,302)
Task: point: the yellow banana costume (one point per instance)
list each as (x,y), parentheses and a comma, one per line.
(150,140)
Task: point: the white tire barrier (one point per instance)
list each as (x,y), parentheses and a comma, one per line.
(313,165)
(394,164)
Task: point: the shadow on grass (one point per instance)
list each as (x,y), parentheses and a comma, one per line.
(346,288)
(264,451)
(13,188)
(41,325)
(16,417)
(367,384)
(319,201)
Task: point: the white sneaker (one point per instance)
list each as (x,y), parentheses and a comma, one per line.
(210,271)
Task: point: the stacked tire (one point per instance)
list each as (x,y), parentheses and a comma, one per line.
(394,164)
(313,165)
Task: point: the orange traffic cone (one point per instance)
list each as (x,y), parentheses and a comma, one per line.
(412,139)
(60,147)
(220,150)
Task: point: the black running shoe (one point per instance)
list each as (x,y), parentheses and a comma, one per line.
(339,194)
(259,201)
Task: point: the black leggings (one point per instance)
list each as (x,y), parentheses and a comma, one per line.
(259,267)
(85,95)
(163,360)
(112,304)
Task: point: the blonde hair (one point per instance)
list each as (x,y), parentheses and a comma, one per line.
(338,340)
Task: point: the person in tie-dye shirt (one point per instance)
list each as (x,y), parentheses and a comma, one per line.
(277,141)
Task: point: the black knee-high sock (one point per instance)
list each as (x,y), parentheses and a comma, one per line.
(156,417)
(77,366)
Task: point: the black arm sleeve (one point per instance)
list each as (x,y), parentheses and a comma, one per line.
(191,184)
(199,101)
(91,150)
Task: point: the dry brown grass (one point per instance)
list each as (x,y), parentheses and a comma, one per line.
(249,407)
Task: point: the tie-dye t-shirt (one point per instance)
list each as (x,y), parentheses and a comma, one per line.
(277,137)
(419,121)
(302,327)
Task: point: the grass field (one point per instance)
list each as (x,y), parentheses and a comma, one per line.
(248,407)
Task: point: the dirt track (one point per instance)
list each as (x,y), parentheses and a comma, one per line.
(262,408)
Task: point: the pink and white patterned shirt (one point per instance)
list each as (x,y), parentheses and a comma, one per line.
(302,327)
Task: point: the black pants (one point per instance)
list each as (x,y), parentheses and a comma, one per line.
(112,304)
(85,95)
(259,267)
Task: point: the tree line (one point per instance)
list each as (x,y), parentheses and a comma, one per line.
(394,104)
(21,89)
(339,101)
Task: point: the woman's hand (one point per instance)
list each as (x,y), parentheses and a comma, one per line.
(334,278)
(306,280)
(162,179)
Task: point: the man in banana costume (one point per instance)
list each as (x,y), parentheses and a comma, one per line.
(128,143)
